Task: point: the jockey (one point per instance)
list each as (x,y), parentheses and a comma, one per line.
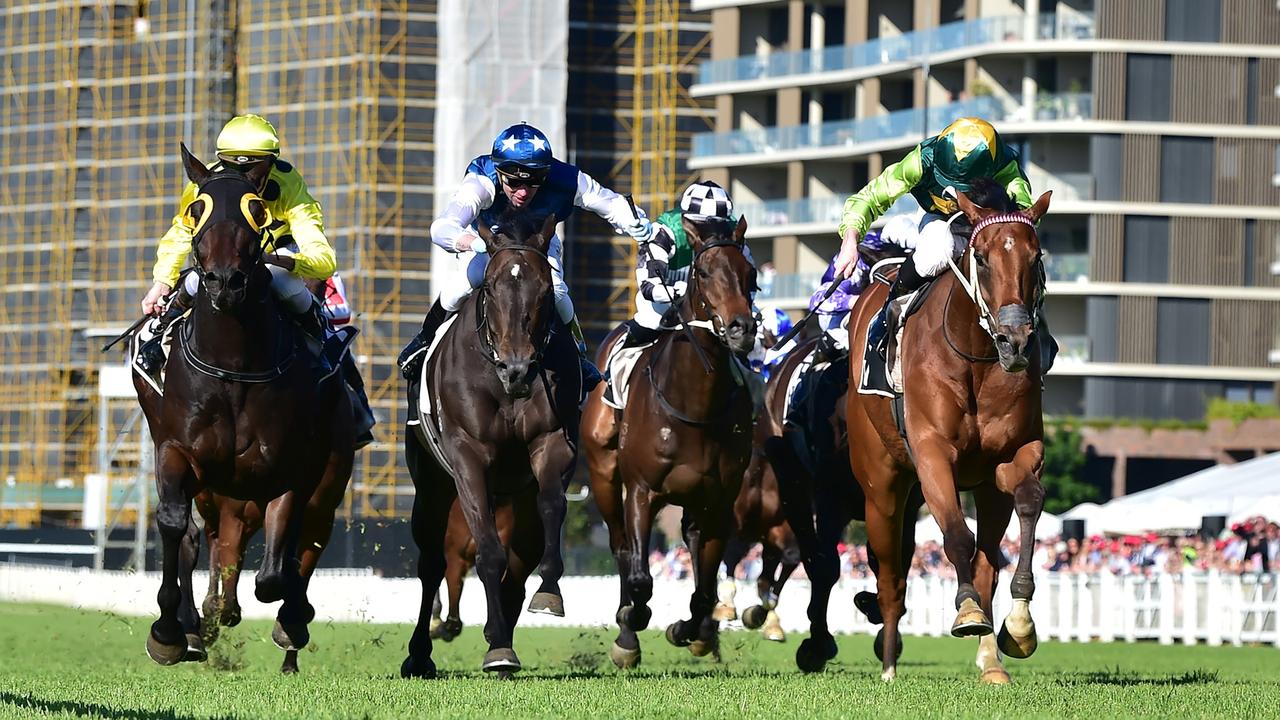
(520,172)
(966,150)
(662,264)
(773,323)
(297,234)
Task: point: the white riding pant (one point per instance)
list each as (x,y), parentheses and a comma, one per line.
(468,274)
(289,288)
(649,313)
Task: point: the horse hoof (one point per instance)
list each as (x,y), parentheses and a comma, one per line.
(269,588)
(501,660)
(231,618)
(812,655)
(773,628)
(889,675)
(447,630)
(623,658)
(544,603)
(209,630)
(868,603)
(195,649)
(995,676)
(971,621)
(703,648)
(290,664)
(506,674)
(634,617)
(754,616)
(411,668)
(434,626)
(166,654)
(673,635)
(290,637)
(878,646)
(725,612)
(1020,648)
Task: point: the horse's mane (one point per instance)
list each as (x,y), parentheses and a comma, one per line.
(987,193)
(518,225)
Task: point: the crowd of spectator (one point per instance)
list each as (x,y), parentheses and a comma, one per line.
(1252,546)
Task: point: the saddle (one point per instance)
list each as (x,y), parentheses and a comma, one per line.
(883,376)
(425,421)
(617,372)
(337,345)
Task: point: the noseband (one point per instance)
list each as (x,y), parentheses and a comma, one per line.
(485,334)
(986,319)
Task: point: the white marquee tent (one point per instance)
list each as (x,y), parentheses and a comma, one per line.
(1237,491)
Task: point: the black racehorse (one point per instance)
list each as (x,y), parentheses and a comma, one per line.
(504,387)
(241,416)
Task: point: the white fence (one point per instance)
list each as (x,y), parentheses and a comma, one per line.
(1203,607)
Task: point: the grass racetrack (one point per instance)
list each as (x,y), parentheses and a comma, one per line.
(60,662)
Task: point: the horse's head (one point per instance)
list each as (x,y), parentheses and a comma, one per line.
(1005,261)
(721,280)
(518,303)
(227,221)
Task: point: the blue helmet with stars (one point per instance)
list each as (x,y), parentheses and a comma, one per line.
(522,152)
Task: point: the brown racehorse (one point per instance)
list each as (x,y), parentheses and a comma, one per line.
(505,383)
(684,439)
(973,422)
(759,518)
(241,415)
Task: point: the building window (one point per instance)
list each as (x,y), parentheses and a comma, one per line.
(1182,331)
(1250,251)
(1193,20)
(1251,92)
(1147,87)
(1185,165)
(1106,161)
(1146,249)
(1100,323)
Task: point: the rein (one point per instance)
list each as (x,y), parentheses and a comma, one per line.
(484,334)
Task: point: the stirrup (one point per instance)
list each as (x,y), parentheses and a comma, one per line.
(411,357)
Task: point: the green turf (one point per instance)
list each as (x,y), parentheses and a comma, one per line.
(58,662)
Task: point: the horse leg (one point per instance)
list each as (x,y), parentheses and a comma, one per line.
(704,533)
(885,516)
(553,463)
(212,606)
(823,566)
(188,556)
(773,574)
(994,509)
(1021,479)
(937,479)
(455,574)
(317,528)
(234,534)
(491,560)
(633,566)
(432,501)
(734,551)
(283,526)
(525,548)
(167,641)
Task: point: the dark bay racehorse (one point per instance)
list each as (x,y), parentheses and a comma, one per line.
(973,422)
(241,416)
(684,439)
(759,518)
(505,384)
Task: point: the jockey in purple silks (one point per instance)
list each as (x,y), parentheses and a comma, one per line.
(833,311)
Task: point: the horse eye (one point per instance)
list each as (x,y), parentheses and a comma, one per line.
(702,274)
(980,259)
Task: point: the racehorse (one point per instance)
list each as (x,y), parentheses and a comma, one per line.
(973,422)
(759,518)
(241,415)
(504,385)
(684,438)
(808,449)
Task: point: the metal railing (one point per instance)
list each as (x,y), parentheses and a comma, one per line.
(908,47)
(773,213)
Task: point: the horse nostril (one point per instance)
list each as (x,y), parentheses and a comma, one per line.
(238,281)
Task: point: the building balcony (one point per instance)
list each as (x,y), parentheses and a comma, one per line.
(806,216)
(1066,267)
(884,54)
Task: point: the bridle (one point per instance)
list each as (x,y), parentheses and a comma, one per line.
(485,334)
(986,319)
(219,213)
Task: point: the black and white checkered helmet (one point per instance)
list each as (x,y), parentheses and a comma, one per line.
(706,199)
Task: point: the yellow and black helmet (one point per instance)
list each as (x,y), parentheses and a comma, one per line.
(965,150)
(248,138)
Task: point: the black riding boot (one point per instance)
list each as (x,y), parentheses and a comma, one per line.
(316,326)
(363,413)
(410,360)
(151,354)
(884,328)
(638,335)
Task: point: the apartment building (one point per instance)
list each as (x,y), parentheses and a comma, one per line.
(1155,122)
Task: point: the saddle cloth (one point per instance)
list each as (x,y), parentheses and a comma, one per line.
(618,367)
(910,304)
(793,382)
(145,333)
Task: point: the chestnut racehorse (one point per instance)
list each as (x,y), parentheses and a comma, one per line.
(683,439)
(973,422)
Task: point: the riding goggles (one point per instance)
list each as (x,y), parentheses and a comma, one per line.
(517,176)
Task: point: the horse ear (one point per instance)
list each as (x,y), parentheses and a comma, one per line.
(548,229)
(259,173)
(740,232)
(1037,211)
(691,232)
(970,210)
(196,171)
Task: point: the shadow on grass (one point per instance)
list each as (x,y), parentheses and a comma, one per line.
(1121,678)
(42,706)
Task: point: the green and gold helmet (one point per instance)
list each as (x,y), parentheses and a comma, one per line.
(967,149)
(248,138)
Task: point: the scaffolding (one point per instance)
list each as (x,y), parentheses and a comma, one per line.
(630,122)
